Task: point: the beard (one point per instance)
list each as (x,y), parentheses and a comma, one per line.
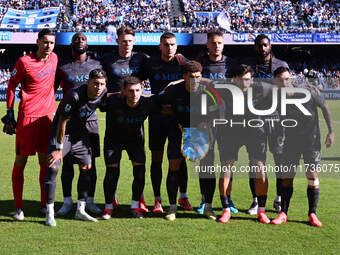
(79,50)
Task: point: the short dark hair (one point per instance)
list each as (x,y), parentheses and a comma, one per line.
(77,34)
(45,31)
(97,74)
(131,80)
(280,70)
(214,33)
(125,30)
(260,37)
(240,70)
(192,67)
(167,35)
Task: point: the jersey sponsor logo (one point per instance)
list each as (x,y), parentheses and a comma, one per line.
(168,76)
(84,113)
(126,71)
(14,72)
(67,108)
(130,120)
(45,73)
(215,76)
(263,75)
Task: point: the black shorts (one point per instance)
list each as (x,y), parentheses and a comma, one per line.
(274,135)
(92,128)
(162,127)
(229,143)
(295,147)
(113,151)
(77,149)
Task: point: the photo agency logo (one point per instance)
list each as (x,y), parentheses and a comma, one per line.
(243,103)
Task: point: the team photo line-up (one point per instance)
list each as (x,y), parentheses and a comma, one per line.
(115,84)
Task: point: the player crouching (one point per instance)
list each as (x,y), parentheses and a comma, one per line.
(69,137)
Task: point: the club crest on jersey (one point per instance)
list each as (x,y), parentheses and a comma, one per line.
(14,72)
(67,108)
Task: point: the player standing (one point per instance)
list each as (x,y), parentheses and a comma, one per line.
(233,137)
(304,139)
(73,72)
(36,73)
(69,137)
(215,67)
(264,65)
(161,70)
(119,65)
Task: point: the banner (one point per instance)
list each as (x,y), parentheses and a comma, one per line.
(331,94)
(18,37)
(223,21)
(105,39)
(30,19)
(5,36)
(304,38)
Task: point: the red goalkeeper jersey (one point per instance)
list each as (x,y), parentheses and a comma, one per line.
(37,85)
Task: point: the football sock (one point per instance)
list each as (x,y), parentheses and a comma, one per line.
(224,202)
(183,180)
(210,190)
(134,204)
(93,178)
(313,198)
(138,182)
(67,175)
(68,200)
(183,195)
(50,184)
(43,170)
(172,185)
(285,198)
(83,184)
(110,183)
(262,200)
(17,184)
(156,177)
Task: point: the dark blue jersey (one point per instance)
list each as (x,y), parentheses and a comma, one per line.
(307,127)
(216,70)
(124,123)
(161,73)
(73,73)
(264,69)
(117,68)
(78,107)
(187,106)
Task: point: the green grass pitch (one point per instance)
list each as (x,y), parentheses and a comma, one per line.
(189,234)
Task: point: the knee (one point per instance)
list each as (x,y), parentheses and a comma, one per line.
(287,182)
(156,156)
(175,164)
(20,160)
(85,167)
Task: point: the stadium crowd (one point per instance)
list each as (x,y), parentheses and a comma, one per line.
(261,16)
(153,15)
(5,75)
(146,15)
(28,5)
